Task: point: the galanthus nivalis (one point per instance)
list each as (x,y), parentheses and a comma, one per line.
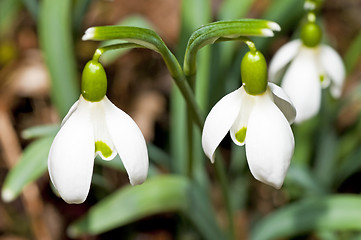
(257,115)
(94,126)
(313,66)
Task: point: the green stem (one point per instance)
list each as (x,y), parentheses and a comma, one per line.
(222,179)
(100,51)
(219,167)
(149,39)
(187,92)
(190,161)
(251,45)
(190,146)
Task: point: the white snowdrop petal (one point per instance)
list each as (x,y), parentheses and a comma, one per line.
(283,56)
(269,143)
(283,102)
(128,141)
(333,65)
(219,121)
(302,84)
(70,112)
(71,156)
(242,119)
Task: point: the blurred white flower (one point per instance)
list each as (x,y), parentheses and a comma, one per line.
(88,129)
(310,70)
(262,123)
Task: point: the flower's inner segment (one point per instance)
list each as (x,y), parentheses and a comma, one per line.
(322,78)
(241,135)
(325,81)
(103,148)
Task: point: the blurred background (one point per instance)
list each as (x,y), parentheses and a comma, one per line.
(41,60)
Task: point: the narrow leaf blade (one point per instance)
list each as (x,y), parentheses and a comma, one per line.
(337,212)
(32,164)
(161,194)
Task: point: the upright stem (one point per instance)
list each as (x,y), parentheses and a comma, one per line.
(190,161)
(186,90)
(222,179)
(219,167)
(190,158)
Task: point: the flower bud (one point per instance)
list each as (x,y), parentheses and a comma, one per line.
(311,34)
(254,73)
(94,82)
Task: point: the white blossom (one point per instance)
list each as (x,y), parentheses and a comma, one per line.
(92,128)
(262,124)
(310,70)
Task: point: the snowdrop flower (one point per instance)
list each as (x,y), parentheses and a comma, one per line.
(257,115)
(94,126)
(313,66)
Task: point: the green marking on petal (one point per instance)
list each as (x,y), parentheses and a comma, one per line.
(103,148)
(241,135)
(322,78)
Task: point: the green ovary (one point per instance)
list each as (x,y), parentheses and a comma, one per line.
(311,34)
(241,135)
(103,148)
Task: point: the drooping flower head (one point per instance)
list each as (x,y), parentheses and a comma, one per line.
(313,66)
(257,115)
(94,126)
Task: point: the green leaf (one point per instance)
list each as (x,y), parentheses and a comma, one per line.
(40,131)
(301,175)
(79,10)
(117,164)
(57,45)
(158,156)
(338,212)
(8,11)
(33,7)
(353,53)
(32,164)
(350,165)
(233,9)
(157,195)
(326,157)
